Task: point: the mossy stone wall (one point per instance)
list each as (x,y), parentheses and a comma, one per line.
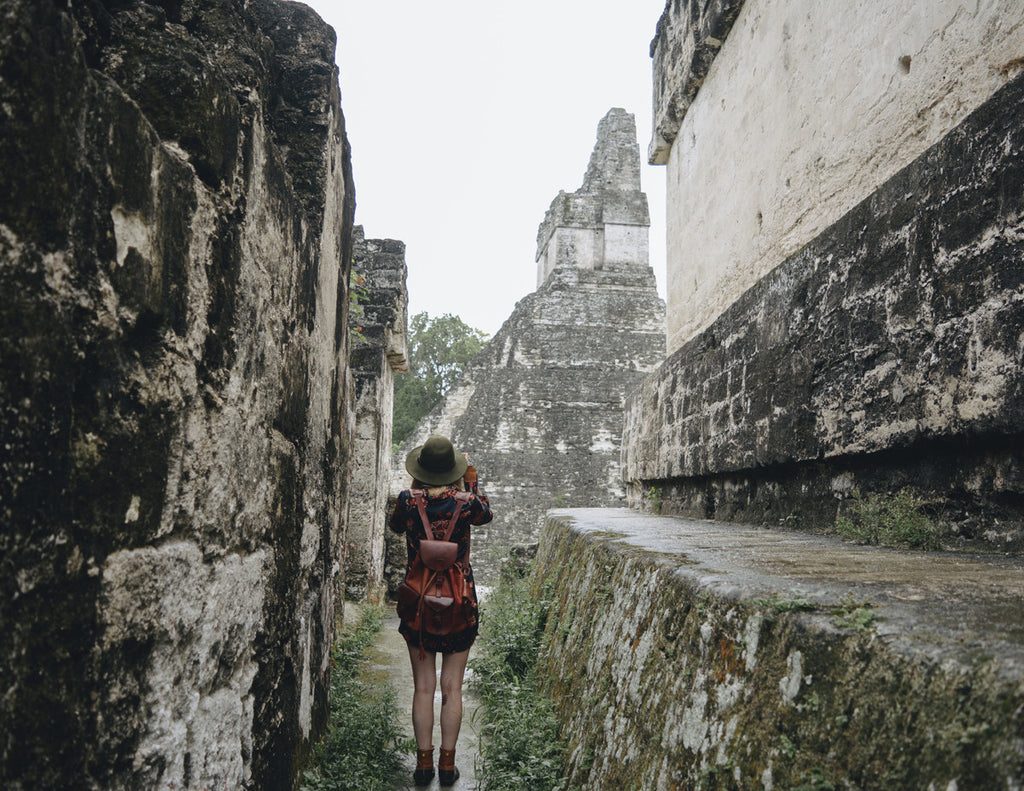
(679,664)
(176,206)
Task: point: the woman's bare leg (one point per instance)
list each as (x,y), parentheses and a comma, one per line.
(424,680)
(453,670)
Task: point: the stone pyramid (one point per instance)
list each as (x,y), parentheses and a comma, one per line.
(540,409)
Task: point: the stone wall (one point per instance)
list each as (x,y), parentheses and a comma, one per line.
(870,336)
(886,354)
(540,409)
(378,323)
(175,220)
(685,654)
(776,118)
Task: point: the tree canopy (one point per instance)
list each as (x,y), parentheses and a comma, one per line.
(439,349)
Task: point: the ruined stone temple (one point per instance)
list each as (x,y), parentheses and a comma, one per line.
(197,349)
(178,420)
(377,323)
(845,319)
(540,409)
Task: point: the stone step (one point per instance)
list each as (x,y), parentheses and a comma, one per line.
(685,654)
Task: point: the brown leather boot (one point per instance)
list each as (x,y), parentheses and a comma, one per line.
(447,772)
(424,767)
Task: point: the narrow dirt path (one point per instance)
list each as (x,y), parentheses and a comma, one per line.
(389,660)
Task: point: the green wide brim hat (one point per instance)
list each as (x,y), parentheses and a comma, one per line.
(436,462)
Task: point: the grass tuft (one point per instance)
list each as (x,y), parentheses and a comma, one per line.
(895,521)
(520,747)
(364,744)
(853,614)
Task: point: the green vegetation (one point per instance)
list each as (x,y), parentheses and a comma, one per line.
(810,703)
(611,534)
(654,498)
(520,747)
(895,521)
(796,604)
(364,744)
(439,349)
(851,614)
(714,775)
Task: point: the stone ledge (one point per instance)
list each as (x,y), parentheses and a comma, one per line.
(687,41)
(684,653)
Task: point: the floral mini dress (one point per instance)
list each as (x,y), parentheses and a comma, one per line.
(440,507)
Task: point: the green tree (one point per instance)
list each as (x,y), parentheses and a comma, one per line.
(439,349)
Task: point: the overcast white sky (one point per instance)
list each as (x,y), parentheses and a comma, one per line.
(466,117)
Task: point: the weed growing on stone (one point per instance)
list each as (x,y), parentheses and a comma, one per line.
(364,744)
(711,776)
(587,760)
(796,604)
(967,734)
(810,704)
(609,534)
(566,624)
(654,498)
(852,614)
(894,521)
(520,747)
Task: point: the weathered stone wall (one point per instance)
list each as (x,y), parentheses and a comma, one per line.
(684,654)
(175,221)
(540,409)
(777,117)
(378,323)
(886,354)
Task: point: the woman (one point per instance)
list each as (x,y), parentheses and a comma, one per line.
(441,471)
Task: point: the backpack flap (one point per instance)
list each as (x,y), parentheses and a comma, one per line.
(438,555)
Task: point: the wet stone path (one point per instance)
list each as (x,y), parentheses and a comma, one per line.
(389,661)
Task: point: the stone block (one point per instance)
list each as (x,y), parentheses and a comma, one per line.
(775,119)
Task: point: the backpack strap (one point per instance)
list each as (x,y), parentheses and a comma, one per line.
(469,539)
(461,500)
(420,498)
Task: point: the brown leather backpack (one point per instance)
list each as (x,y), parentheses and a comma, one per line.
(435,597)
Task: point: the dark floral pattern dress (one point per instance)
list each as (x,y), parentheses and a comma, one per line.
(440,507)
